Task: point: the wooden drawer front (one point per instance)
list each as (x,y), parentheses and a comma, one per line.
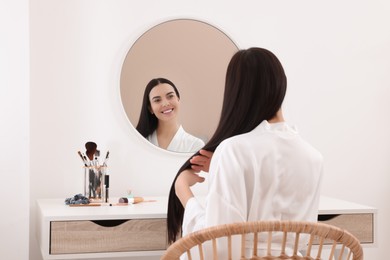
(67,237)
(360,225)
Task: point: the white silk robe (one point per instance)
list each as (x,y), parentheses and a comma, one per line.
(182,142)
(270,173)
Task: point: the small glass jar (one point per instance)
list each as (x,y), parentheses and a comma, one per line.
(94,183)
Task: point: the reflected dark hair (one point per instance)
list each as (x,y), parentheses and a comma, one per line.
(148,122)
(255,87)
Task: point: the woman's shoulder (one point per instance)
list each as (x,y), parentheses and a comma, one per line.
(264,135)
(186,134)
(255,134)
(191,142)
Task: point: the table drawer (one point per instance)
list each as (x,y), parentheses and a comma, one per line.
(360,225)
(68,237)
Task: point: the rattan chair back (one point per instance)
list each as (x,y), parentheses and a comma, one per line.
(323,239)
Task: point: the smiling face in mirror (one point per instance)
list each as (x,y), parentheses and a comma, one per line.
(164,104)
(159,118)
(194,56)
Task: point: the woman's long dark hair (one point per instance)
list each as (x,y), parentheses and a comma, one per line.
(255,87)
(148,122)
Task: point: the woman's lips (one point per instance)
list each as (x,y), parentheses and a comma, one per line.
(167,111)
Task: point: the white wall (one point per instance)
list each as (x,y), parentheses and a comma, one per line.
(336,55)
(14,129)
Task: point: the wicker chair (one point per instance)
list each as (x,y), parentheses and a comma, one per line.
(319,235)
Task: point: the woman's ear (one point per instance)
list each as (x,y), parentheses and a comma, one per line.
(150,110)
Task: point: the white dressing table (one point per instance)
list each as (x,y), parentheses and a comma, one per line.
(65,232)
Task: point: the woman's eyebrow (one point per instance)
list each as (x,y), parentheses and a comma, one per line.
(155,97)
(172,92)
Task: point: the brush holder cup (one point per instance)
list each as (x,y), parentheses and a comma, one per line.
(94,183)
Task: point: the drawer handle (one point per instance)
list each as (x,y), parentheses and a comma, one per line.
(109,222)
(326,217)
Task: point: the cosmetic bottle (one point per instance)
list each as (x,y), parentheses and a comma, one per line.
(106,187)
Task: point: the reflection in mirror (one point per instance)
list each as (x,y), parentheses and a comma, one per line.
(158,121)
(191,54)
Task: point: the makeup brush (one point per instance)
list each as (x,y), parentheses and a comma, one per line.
(81,156)
(106,159)
(134,200)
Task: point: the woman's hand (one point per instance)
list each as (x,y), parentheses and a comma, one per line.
(184,181)
(201,162)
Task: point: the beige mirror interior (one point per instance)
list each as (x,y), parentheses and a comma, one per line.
(193,55)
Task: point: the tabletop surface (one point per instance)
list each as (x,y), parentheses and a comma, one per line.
(55,209)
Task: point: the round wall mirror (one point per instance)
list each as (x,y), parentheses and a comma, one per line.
(193,55)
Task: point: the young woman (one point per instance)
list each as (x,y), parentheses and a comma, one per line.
(260,169)
(159,122)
